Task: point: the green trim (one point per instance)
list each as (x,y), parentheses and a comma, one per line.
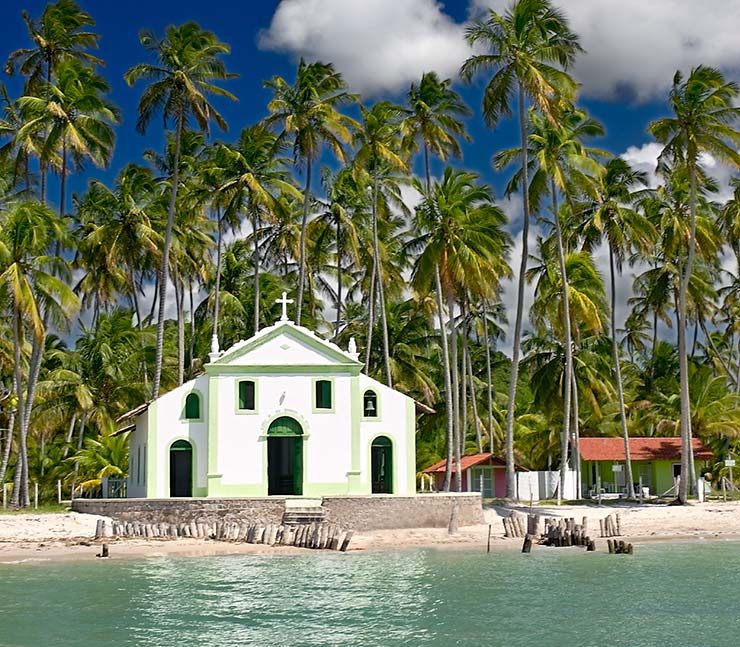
(292,331)
(217,489)
(410,447)
(377,416)
(152,457)
(354,476)
(184,402)
(275,369)
(213,384)
(333,395)
(193,467)
(246,412)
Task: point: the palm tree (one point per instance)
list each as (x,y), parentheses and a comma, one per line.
(462,247)
(74,120)
(378,151)
(704,113)
(625,230)
(188,62)
(433,120)
(525,47)
(30,276)
(308,116)
(253,175)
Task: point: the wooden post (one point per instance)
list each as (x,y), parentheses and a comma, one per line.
(488,548)
(598,485)
(36,496)
(527,546)
(347,538)
(724,490)
(5,496)
(59,491)
(619,524)
(639,485)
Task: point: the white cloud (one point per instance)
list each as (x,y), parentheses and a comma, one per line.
(378,45)
(644,158)
(636,46)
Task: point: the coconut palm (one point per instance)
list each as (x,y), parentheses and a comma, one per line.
(461,247)
(308,116)
(188,63)
(527,49)
(433,121)
(31,278)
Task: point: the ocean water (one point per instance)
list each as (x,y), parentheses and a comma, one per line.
(664,595)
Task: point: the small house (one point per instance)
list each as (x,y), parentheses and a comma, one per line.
(480,473)
(656,463)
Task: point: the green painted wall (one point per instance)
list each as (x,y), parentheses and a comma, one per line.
(657,475)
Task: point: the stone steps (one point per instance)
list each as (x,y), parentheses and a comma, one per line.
(299,516)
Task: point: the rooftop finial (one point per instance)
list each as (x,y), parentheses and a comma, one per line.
(213,355)
(352,348)
(284,302)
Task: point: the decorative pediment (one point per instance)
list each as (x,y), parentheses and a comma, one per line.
(285,344)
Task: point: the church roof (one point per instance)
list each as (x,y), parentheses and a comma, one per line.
(294,330)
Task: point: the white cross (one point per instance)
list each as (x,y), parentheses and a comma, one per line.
(284,302)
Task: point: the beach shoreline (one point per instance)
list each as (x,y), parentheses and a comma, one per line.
(29,538)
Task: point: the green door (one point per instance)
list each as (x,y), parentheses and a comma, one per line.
(285,457)
(381,459)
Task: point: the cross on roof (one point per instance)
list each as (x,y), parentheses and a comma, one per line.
(284,302)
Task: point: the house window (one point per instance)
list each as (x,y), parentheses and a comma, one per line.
(192,406)
(370,404)
(323,394)
(246,395)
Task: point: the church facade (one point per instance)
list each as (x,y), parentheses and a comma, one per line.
(285,413)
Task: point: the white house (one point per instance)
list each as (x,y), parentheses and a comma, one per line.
(283,413)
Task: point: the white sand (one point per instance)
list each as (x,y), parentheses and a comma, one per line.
(26,537)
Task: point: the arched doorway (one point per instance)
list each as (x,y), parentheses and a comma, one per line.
(181,469)
(285,457)
(381,458)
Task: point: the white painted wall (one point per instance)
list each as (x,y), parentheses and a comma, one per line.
(137,459)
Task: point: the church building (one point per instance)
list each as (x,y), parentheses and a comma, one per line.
(285,413)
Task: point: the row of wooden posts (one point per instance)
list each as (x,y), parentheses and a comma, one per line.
(314,535)
(561,532)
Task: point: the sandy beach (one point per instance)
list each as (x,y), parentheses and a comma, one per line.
(40,537)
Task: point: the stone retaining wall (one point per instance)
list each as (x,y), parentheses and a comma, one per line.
(371,512)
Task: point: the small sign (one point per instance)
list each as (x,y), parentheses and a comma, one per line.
(730,462)
(616,467)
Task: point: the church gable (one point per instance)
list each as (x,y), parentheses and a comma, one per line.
(285,345)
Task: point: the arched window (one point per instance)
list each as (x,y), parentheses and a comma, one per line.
(192,406)
(370,404)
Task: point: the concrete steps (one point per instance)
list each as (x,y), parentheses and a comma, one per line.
(299,516)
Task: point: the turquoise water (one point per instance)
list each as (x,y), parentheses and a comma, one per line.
(664,595)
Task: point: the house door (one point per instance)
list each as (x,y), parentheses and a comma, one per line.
(285,457)
(381,457)
(181,469)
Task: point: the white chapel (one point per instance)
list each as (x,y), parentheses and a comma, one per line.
(285,413)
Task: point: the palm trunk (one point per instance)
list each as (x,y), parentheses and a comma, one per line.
(70,434)
(567,345)
(370,317)
(474,403)
(256,262)
(339,280)
(712,346)
(191,341)
(302,259)
(447,380)
(164,269)
(488,377)
(381,291)
(455,392)
(63,181)
(217,295)
(511,489)
(155,298)
(463,379)
(18,380)
(618,375)
(11,428)
(576,436)
(427,172)
(179,294)
(683,361)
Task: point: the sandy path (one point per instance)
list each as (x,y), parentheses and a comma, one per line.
(70,536)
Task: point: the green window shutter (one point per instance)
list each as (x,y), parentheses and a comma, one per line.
(246,395)
(323,394)
(192,406)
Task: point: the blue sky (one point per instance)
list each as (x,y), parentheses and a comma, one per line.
(240,25)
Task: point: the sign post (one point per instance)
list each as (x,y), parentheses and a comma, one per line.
(730,462)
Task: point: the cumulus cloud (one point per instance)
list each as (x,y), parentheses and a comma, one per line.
(378,45)
(634,47)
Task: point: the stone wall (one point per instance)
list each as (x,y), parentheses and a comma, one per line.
(381,512)
(371,512)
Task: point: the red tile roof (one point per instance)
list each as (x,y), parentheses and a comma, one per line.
(641,449)
(466,462)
